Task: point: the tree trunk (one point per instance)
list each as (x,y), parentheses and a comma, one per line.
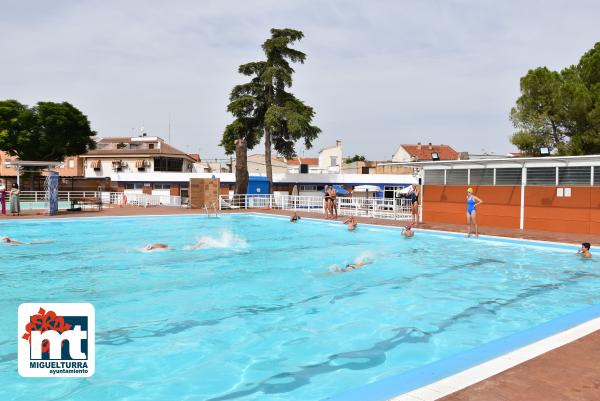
(241,167)
(268,159)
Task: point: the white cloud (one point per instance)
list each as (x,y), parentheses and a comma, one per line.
(378,73)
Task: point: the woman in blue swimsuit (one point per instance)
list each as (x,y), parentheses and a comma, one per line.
(472,203)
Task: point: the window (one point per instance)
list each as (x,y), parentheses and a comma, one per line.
(136,185)
(184,191)
(574,175)
(597,175)
(482,176)
(307,187)
(541,176)
(311,187)
(509,176)
(391,191)
(333,160)
(162,186)
(168,164)
(434,177)
(71,163)
(456,177)
(150,146)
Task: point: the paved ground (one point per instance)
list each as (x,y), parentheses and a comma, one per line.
(568,373)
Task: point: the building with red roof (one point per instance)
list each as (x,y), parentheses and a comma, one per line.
(420,152)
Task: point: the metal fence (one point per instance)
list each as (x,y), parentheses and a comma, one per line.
(394,209)
(38,199)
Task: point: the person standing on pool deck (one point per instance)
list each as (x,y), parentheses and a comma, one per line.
(3,196)
(585,250)
(472,202)
(326,200)
(414,206)
(15,201)
(333,203)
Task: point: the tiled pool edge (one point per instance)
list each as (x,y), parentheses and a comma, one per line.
(456,372)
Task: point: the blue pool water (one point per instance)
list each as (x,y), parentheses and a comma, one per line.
(260,314)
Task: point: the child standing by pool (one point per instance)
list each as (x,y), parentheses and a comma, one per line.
(472,202)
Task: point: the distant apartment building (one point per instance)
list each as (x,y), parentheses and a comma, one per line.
(72,166)
(330,158)
(421,152)
(257,165)
(130,163)
(330,161)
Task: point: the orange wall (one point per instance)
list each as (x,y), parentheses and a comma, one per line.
(448,204)
(579,213)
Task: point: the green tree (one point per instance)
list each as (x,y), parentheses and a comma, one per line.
(287,119)
(48,131)
(264,108)
(355,158)
(560,110)
(245,131)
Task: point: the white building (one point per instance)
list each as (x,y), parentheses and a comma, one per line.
(115,157)
(330,159)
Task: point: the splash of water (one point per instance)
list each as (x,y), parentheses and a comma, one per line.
(227,240)
(365,257)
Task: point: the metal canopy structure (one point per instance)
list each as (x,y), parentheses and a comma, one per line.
(30,163)
(549,161)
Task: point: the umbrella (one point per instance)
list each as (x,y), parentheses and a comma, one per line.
(341,190)
(366,188)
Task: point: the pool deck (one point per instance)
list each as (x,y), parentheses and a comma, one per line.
(570,372)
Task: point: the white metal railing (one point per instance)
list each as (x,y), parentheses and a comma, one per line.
(37,199)
(395,209)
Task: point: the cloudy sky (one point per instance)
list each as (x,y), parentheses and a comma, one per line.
(378,73)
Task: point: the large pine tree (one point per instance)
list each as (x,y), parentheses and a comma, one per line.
(264,108)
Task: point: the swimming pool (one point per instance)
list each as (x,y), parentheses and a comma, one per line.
(260,314)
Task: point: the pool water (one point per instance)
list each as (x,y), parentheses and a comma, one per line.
(260,313)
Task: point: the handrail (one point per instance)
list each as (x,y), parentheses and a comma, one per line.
(38,199)
(394,209)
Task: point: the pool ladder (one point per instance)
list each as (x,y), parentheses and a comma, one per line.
(214,210)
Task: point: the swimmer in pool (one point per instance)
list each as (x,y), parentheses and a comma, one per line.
(351,222)
(11,241)
(294,218)
(154,247)
(585,250)
(354,266)
(407,232)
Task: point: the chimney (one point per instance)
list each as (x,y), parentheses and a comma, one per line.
(430,147)
(418,145)
(338,143)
